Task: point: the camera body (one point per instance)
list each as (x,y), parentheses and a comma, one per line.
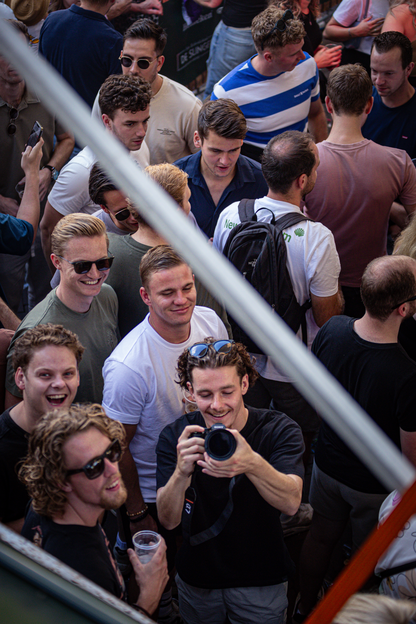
(220,444)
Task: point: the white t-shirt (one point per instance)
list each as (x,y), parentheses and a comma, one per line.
(70,192)
(139,387)
(312,260)
(351,12)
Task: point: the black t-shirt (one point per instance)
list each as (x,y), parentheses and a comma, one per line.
(85,549)
(381,378)
(240,13)
(249,551)
(13,448)
(313,33)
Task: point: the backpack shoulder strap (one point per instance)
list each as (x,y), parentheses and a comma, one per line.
(246,210)
(291,218)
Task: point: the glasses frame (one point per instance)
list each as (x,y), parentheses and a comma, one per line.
(217,346)
(123,211)
(140,60)
(407,301)
(99,461)
(280,25)
(78,264)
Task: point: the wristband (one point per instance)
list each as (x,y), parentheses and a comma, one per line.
(349,33)
(142,611)
(136,517)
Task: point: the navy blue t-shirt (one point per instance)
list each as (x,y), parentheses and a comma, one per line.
(83,46)
(393,127)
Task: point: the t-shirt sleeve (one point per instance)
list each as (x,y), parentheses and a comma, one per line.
(408,192)
(347,12)
(16,235)
(125,393)
(288,448)
(70,192)
(323,266)
(166,456)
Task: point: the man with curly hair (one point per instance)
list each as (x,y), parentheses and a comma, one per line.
(45,362)
(124,103)
(278,89)
(72,475)
(224,568)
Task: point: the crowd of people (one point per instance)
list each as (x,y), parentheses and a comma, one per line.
(128,401)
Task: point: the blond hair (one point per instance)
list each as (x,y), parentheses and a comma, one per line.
(405,244)
(375,609)
(73,225)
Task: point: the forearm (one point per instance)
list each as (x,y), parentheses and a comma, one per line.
(8,318)
(62,152)
(284,492)
(170,500)
(336,32)
(318,126)
(29,209)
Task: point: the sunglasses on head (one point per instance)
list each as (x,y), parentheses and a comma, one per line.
(84,266)
(200,349)
(141,63)
(280,25)
(11,128)
(96,466)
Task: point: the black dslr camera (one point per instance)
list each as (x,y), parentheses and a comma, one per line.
(220,443)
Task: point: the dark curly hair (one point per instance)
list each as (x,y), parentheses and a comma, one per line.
(43,472)
(127,93)
(238,356)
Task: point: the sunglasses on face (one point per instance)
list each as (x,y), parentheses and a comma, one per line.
(11,128)
(122,215)
(407,301)
(280,25)
(200,349)
(96,466)
(141,63)
(84,266)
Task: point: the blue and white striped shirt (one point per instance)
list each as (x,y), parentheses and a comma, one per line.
(271,104)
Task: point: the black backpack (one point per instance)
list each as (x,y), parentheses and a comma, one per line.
(258,250)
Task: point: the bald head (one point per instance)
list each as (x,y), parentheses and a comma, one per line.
(387,282)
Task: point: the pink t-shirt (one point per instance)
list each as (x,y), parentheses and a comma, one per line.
(355,189)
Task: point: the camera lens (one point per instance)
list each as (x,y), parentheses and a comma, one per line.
(220,444)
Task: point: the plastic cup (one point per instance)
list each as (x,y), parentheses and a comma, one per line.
(334,45)
(146,544)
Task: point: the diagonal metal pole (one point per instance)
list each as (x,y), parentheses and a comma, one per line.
(328,397)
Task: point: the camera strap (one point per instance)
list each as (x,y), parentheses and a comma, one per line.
(212,531)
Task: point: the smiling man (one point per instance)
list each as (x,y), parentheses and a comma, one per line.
(218,174)
(81,302)
(242,576)
(72,481)
(124,102)
(392,120)
(144,363)
(45,362)
(278,88)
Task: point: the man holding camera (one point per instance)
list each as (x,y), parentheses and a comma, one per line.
(229,502)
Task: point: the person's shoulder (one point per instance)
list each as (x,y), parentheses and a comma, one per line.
(174,429)
(187,162)
(175,88)
(249,162)
(267,421)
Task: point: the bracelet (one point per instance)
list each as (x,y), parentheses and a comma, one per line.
(349,33)
(136,606)
(136,517)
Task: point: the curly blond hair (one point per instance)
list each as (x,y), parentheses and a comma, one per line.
(43,472)
(264,23)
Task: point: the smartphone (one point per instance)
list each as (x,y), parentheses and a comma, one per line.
(35,134)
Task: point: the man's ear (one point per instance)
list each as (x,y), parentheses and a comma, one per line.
(409,69)
(160,62)
(197,140)
(20,379)
(328,105)
(66,487)
(106,121)
(56,261)
(144,295)
(245,384)
(190,390)
(105,208)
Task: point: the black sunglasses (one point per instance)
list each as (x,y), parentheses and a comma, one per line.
(200,349)
(122,215)
(280,25)
(11,128)
(84,266)
(142,63)
(96,466)
(407,301)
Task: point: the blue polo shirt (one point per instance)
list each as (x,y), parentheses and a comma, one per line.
(84,48)
(393,127)
(248,182)
(16,235)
